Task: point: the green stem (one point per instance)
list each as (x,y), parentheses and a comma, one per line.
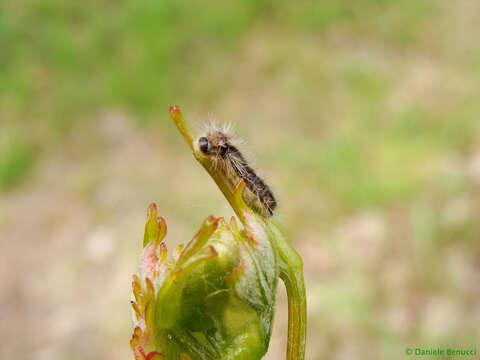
(291,273)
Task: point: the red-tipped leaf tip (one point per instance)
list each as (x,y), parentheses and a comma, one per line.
(212,221)
(137,331)
(162,224)
(174,108)
(152,209)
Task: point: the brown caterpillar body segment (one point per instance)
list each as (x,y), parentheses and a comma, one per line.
(226,156)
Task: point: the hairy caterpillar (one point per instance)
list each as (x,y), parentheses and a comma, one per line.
(218,146)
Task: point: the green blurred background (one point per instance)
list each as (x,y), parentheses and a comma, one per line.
(363,115)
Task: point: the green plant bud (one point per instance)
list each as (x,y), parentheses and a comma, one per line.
(214,300)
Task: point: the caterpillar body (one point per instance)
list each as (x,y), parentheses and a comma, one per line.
(227,158)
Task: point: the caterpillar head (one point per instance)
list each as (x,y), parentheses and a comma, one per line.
(214,144)
(206,148)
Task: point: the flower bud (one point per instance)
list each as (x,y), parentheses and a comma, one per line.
(214,300)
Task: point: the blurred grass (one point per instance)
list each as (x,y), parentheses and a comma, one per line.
(65,61)
(16,161)
(364,115)
(62,59)
(96,53)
